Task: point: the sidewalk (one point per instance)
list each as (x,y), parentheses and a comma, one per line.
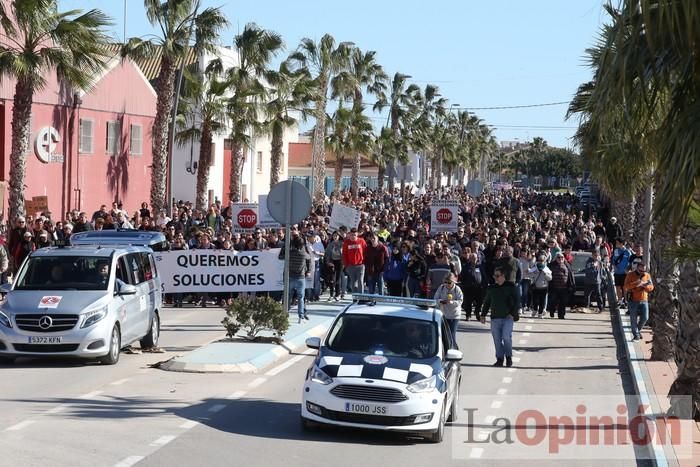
(654,379)
(239,356)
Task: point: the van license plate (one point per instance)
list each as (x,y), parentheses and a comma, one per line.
(369,409)
(45,339)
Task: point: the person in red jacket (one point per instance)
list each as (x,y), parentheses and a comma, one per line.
(354,260)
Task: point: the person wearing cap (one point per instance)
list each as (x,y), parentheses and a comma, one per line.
(562,286)
(613,230)
(43,240)
(637,285)
(449,297)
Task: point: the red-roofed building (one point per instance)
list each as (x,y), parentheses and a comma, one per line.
(300,168)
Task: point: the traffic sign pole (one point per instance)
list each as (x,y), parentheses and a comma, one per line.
(287,245)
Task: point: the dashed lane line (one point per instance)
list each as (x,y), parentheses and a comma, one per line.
(501,391)
(162,441)
(57,409)
(256,382)
(236,395)
(216,408)
(280,368)
(526,334)
(489,419)
(120,382)
(129,461)
(20,425)
(522,341)
(496,404)
(189,424)
(476,453)
(90,395)
(512,370)
(507,380)
(528,328)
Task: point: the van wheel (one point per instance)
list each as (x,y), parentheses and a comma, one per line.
(150,340)
(115,345)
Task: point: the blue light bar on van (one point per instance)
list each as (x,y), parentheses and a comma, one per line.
(365,297)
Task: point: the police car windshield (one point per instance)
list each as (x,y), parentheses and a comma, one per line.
(64,273)
(384,335)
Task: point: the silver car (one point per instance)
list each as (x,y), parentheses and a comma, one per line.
(82,301)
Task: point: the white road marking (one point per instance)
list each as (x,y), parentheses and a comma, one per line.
(129,461)
(496,404)
(58,408)
(489,419)
(280,368)
(516,359)
(217,408)
(527,328)
(476,453)
(522,341)
(20,425)
(517,352)
(189,424)
(236,395)
(501,391)
(511,370)
(163,440)
(482,436)
(507,380)
(90,395)
(530,320)
(120,382)
(256,382)
(526,334)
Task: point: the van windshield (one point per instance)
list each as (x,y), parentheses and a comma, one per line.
(64,273)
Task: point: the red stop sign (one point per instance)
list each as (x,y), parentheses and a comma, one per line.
(444,216)
(247,218)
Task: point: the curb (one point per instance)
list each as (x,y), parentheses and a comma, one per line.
(638,371)
(253,365)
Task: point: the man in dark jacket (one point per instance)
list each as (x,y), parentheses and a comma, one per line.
(613,230)
(299,270)
(471,279)
(593,280)
(376,256)
(562,286)
(501,301)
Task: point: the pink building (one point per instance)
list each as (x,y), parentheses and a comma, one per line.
(86,148)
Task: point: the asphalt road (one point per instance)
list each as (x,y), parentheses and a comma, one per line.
(67,413)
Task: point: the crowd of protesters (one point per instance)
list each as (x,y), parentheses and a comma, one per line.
(529,236)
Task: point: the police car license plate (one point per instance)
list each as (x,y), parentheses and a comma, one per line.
(45,339)
(369,409)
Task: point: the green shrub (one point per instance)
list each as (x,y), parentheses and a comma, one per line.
(254,315)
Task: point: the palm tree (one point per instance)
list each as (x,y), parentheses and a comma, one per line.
(401,103)
(324,60)
(429,122)
(178,21)
(290,94)
(338,141)
(256,48)
(38,40)
(202,114)
(363,74)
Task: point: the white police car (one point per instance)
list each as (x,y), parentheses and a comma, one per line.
(387,363)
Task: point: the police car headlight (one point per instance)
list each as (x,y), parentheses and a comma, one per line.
(319,376)
(424,385)
(93,317)
(5,320)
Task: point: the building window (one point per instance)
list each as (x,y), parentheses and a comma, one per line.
(136,141)
(113,133)
(259,162)
(85,136)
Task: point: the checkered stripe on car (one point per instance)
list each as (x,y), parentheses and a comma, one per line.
(399,370)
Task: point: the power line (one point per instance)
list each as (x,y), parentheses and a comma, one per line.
(502,107)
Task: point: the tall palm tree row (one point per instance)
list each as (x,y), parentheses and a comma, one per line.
(182,26)
(639,114)
(38,40)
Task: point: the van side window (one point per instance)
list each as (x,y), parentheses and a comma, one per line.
(147,266)
(123,271)
(136,267)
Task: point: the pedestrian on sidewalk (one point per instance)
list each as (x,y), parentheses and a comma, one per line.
(449,297)
(638,284)
(501,301)
(299,269)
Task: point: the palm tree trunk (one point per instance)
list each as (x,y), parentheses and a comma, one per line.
(355,176)
(205,147)
(640,214)
(237,159)
(380,177)
(276,155)
(687,353)
(450,173)
(663,303)
(338,172)
(21,121)
(165,87)
(319,137)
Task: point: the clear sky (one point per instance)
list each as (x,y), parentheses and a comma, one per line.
(485,53)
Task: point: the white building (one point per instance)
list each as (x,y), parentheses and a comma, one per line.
(255,178)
